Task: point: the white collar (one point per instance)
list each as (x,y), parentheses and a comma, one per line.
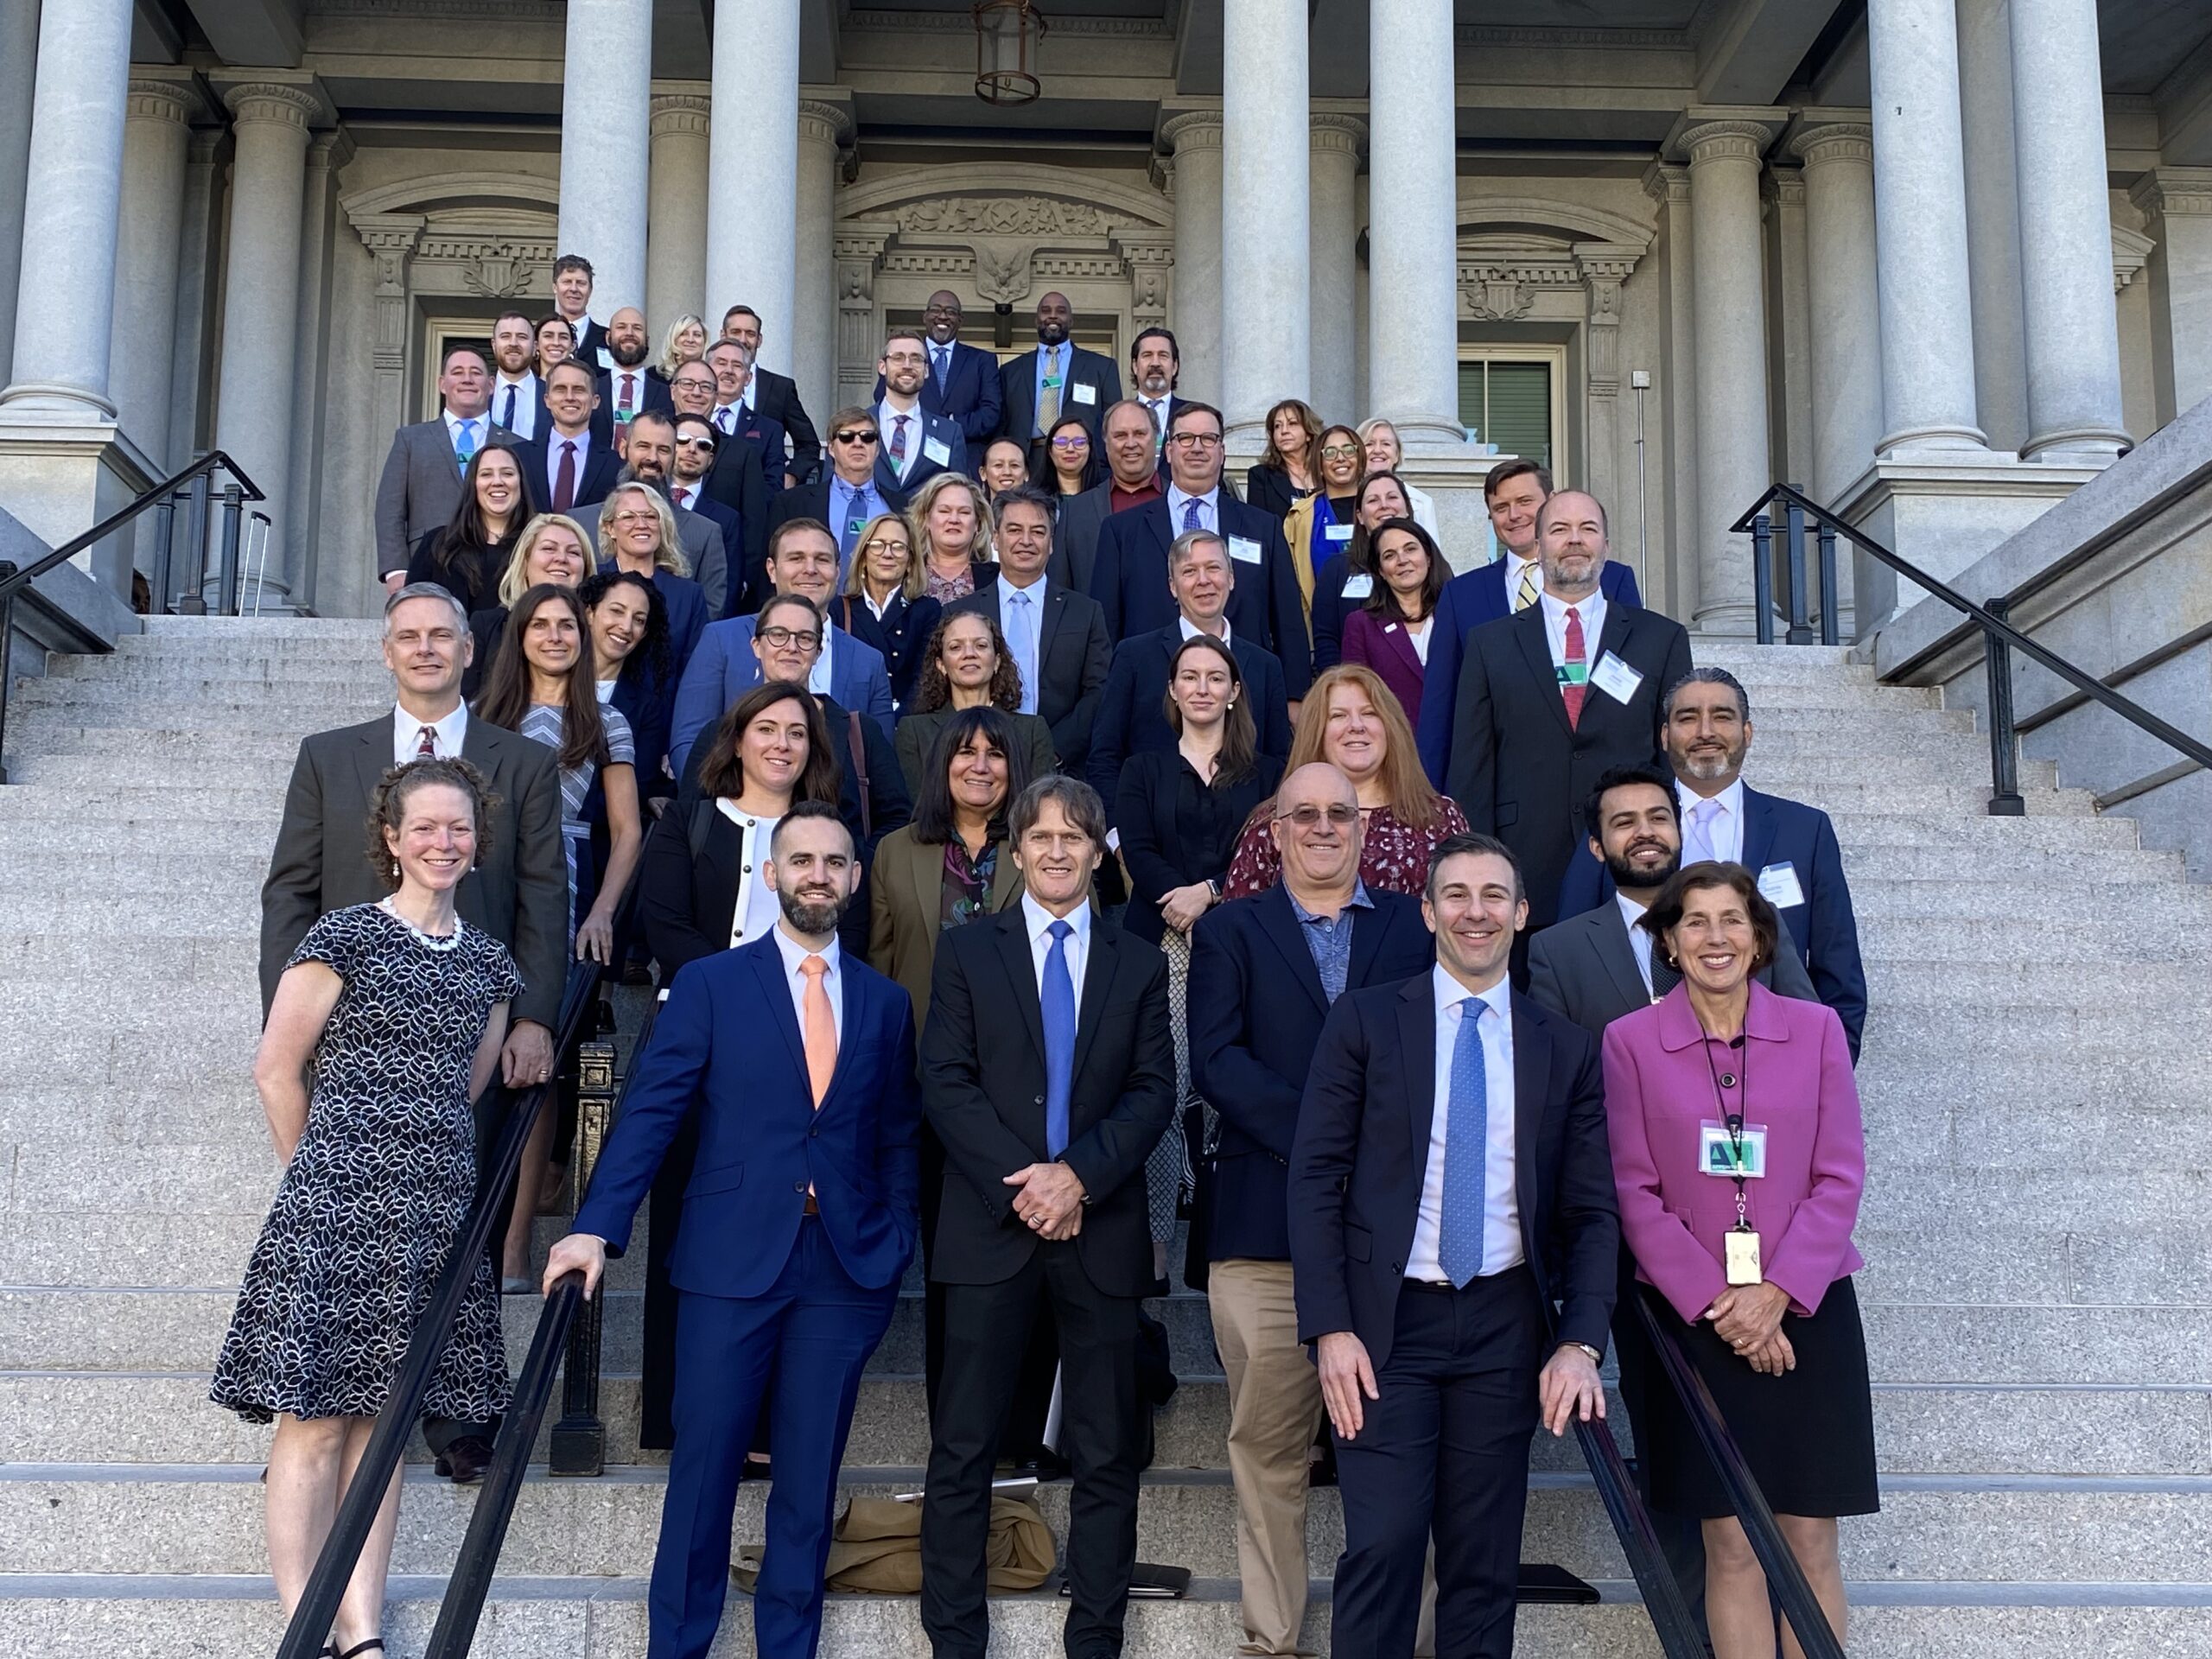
(1037,919)
(1177,496)
(1449,991)
(795,953)
(522,379)
(452,730)
(1589,608)
(1731,799)
(453,421)
(1192,630)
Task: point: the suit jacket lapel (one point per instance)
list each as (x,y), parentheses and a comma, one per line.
(1758,829)
(1396,641)
(1532,1064)
(1282,927)
(1417,1044)
(1535,646)
(1105,956)
(1616,951)
(776,996)
(373,757)
(1021,977)
(1048,624)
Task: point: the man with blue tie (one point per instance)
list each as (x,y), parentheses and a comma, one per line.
(917,445)
(1451,1185)
(1059,377)
(963,382)
(794,1062)
(420,486)
(518,395)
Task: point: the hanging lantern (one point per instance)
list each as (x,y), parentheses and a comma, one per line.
(1008,33)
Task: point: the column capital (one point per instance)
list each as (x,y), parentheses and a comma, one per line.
(1335,133)
(1782,185)
(1192,129)
(1723,132)
(681,114)
(295,101)
(331,149)
(1818,136)
(159,93)
(2173,191)
(823,122)
(1667,183)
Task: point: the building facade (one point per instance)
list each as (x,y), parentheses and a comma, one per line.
(1939,261)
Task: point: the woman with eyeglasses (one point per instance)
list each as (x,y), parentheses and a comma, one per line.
(1347,581)
(883,604)
(1071,462)
(1351,720)
(1321,525)
(1383,454)
(1392,631)
(637,532)
(967,666)
(551,548)
(1283,475)
(467,553)
(949,515)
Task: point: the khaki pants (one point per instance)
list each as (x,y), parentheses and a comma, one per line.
(1274,1407)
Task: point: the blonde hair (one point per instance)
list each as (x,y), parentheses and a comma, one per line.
(670,363)
(513,584)
(920,503)
(1406,786)
(668,557)
(911,583)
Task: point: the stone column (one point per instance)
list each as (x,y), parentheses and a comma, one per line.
(1266,244)
(753,177)
(1847,312)
(2177,204)
(676,216)
(18,72)
(1332,163)
(2073,328)
(74,187)
(191,323)
(296,565)
(149,235)
(1413,224)
(1671,431)
(1920,210)
(253,408)
(1193,140)
(1728,294)
(823,128)
(605,145)
(2000,352)
(1603,267)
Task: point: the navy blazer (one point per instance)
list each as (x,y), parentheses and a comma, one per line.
(646,701)
(726,1053)
(1361,1152)
(724,666)
(1256,1012)
(935,428)
(593,478)
(1129,580)
(765,432)
(1073,651)
(1470,600)
(1130,721)
(970,396)
(685,605)
(739,483)
(901,634)
(725,519)
(1824,929)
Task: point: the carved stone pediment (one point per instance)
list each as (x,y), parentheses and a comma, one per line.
(1040,218)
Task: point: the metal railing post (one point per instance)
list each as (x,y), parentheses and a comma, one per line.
(192,600)
(578,1445)
(7,656)
(1793,520)
(1763,577)
(1831,599)
(2004,798)
(227,581)
(164,533)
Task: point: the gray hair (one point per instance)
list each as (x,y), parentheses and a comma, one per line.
(1077,801)
(423,590)
(1708,677)
(743,351)
(1179,551)
(671,554)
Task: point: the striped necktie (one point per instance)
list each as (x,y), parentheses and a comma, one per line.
(1530,587)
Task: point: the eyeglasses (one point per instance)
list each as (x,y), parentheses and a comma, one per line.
(1070,443)
(1197,440)
(1340,816)
(853,437)
(781,637)
(698,382)
(878,545)
(1340,451)
(632,519)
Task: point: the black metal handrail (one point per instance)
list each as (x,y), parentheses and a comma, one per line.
(1671,1619)
(1785,1580)
(2000,637)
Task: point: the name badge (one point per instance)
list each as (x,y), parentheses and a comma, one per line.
(1358,586)
(1082,392)
(937,450)
(1720,1154)
(1338,532)
(1615,678)
(1778,886)
(1244,550)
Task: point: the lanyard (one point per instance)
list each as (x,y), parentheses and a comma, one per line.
(1733,1121)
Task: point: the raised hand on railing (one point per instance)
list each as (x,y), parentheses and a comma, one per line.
(1569,1387)
(584,1253)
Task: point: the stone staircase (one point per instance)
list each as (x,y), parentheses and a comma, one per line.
(2038,1292)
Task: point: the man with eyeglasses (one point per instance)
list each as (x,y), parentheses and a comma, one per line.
(917,445)
(1129,577)
(647,446)
(745,454)
(1264,972)
(734,418)
(962,382)
(695,454)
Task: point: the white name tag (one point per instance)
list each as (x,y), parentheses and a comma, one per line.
(1720,1154)
(1778,886)
(1615,678)
(1244,549)
(1338,532)
(1084,393)
(1359,586)
(937,450)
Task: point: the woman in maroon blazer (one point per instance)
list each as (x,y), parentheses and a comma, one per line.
(1739,1160)
(1391,631)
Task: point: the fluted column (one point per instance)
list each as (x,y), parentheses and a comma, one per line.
(753,174)
(1266,245)
(676,219)
(1920,212)
(65,316)
(1728,294)
(1193,140)
(1332,163)
(2073,328)
(1847,312)
(823,128)
(1413,224)
(2177,204)
(150,233)
(18,75)
(605,145)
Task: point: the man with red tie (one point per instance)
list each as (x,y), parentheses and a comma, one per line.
(563,467)
(624,387)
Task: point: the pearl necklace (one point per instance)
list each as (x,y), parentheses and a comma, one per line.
(428,941)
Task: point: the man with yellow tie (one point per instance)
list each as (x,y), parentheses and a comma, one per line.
(795,1062)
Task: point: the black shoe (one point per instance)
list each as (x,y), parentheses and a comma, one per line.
(465,1461)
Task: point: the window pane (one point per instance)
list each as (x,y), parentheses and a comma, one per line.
(1520,410)
(1470,399)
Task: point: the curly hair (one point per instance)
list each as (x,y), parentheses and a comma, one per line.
(388,806)
(935,691)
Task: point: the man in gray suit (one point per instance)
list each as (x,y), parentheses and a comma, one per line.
(1132,453)
(647,447)
(420,485)
(518,892)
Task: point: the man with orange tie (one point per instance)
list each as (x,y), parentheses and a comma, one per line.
(1554,696)
(795,1063)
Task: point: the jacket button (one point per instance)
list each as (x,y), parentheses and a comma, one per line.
(1396,1267)
(799,1186)
(1040,1100)
(810,1133)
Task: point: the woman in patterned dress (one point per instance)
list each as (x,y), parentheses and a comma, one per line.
(1350,720)
(386,1025)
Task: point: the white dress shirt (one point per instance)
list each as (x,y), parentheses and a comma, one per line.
(887,417)
(1638,940)
(1501,1202)
(833,982)
(1022,620)
(555,438)
(407,735)
(1160,409)
(1209,510)
(1722,816)
(756,909)
(524,424)
(1038,920)
(480,428)
(1192,630)
(725,417)
(1593,613)
(1515,564)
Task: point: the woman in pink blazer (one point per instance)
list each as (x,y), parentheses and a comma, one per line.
(1391,633)
(1721,1074)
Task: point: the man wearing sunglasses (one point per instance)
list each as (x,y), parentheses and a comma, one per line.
(696,449)
(848,493)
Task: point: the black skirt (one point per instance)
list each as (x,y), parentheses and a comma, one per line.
(1808,1434)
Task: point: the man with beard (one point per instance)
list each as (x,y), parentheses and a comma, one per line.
(647,447)
(1155,365)
(1059,377)
(518,395)
(917,445)
(794,1061)
(624,386)
(962,382)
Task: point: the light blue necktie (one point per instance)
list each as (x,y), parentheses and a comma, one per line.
(1058,1000)
(466,447)
(1466,1149)
(1024,646)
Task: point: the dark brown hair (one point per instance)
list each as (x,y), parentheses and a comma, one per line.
(936,689)
(1356,550)
(1384,600)
(1240,738)
(1313,456)
(388,806)
(1309,423)
(1505,471)
(721,773)
(1666,911)
(506,696)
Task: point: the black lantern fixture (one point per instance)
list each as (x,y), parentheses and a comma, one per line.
(1008,35)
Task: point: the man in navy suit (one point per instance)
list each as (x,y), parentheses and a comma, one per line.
(917,445)
(794,1062)
(624,385)
(962,382)
(1264,972)
(1058,377)
(518,395)
(1515,493)
(1129,576)
(568,465)
(1450,1185)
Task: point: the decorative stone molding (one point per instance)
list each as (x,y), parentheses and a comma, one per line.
(1726,141)
(1667,183)
(680,115)
(1192,129)
(1603,266)
(2166,192)
(1037,216)
(513,12)
(391,240)
(331,148)
(1784,187)
(154,98)
(1646,39)
(2130,252)
(1149,261)
(959,21)
(274,101)
(823,123)
(1838,141)
(1344,135)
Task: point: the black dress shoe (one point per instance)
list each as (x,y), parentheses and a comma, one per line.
(465,1461)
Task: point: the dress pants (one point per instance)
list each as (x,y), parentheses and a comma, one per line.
(1447,1448)
(986,1329)
(812,1333)
(1274,1407)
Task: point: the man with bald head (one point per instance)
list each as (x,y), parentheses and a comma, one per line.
(625,388)
(1059,377)
(1551,697)
(1264,972)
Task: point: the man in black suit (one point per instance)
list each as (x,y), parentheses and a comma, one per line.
(962,382)
(624,385)
(1133,478)
(1554,695)
(572,285)
(1156,368)
(1058,377)
(569,465)
(848,493)
(518,395)
(517,890)
(1129,577)
(775,395)
(1450,1185)
(1057,636)
(1048,1073)
(1264,972)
